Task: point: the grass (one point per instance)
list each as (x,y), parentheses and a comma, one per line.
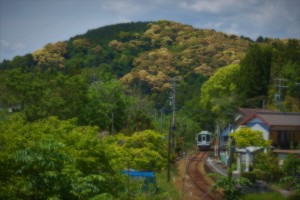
(264,196)
(168,187)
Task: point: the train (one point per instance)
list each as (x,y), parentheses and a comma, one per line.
(203,140)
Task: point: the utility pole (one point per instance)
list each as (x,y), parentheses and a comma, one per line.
(173,101)
(162,112)
(169,154)
(278,95)
(231,155)
(172,128)
(298,84)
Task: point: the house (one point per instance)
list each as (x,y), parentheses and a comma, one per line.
(283,129)
(244,113)
(240,115)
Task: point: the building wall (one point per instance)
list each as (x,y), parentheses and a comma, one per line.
(257,124)
(259,127)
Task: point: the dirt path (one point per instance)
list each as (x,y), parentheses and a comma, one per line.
(192,179)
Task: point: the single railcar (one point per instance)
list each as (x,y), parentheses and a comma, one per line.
(203,140)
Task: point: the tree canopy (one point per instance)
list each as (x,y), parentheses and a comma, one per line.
(246,136)
(219,94)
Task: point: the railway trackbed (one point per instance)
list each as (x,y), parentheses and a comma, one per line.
(195,184)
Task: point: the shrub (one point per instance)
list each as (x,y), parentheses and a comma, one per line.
(249,175)
(268,176)
(262,175)
(291,164)
(294,196)
(291,183)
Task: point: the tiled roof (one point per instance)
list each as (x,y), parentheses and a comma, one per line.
(250,111)
(276,118)
(245,113)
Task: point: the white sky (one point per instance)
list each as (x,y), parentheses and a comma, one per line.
(28,25)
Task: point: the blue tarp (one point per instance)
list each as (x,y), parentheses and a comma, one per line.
(138,173)
(147,177)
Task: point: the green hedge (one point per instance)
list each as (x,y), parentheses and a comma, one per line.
(249,175)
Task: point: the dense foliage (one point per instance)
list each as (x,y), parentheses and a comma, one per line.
(60,160)
(231,186)
(219,93)
(73,99)
(54,159)
(245,137)
(268,77)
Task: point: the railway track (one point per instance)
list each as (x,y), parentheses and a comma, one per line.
(200,187)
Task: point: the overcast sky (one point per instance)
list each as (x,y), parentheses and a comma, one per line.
(28,25)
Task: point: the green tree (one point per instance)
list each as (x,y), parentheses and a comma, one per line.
(81,46)
(246,136)
(254,76)
(145,150)
(219,93)
(43,94)
(106,105)
(54,159)
(14,87)
(26,62)
(148,139)
(138,115)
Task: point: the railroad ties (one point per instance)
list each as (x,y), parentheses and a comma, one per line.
(197,184)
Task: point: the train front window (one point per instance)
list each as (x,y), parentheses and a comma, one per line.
(208,138)
(199,138)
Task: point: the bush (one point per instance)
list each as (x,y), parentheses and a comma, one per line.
(294,196)
(291,183)
(261,175)
(291,164)
(249,175)
(268,176)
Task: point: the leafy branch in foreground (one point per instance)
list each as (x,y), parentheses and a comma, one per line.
(230,185)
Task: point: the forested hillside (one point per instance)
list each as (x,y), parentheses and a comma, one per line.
(143,56)
(117,80)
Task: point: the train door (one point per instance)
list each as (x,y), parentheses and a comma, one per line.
(203,139)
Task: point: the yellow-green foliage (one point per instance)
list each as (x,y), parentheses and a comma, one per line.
(219,92)
(51,55)
(116,45)
(53,158)
(144,150)
(177,49)
(81,43)
(246,136)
